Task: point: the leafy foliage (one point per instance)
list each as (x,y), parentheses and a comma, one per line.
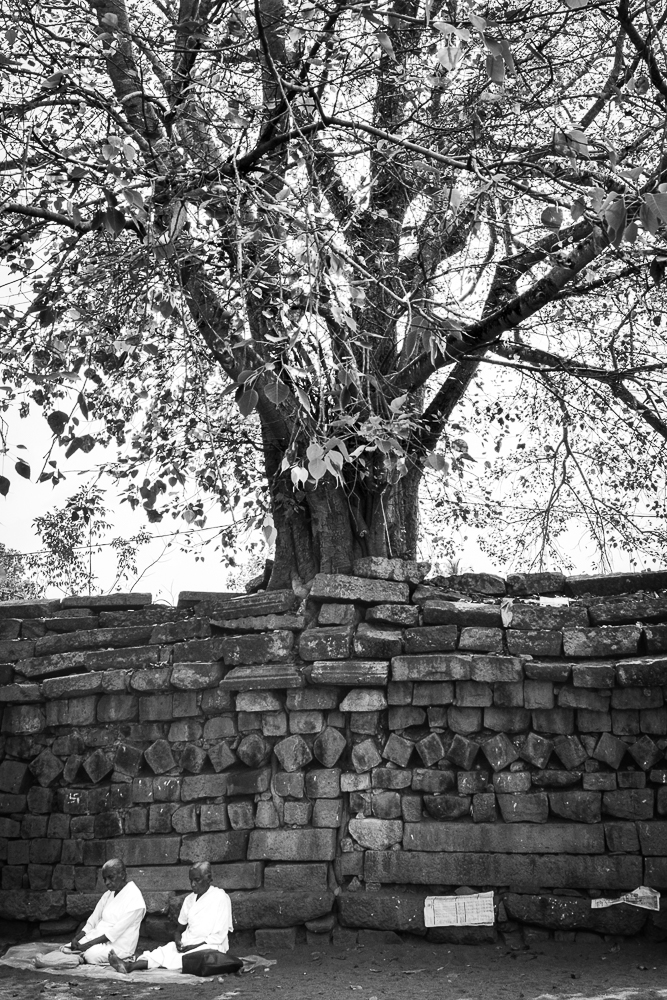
(302,254)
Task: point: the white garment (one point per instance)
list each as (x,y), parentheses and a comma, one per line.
(97,955)
(118,916)
(209,923)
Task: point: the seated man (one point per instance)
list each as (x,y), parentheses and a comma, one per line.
(115,921)
(205,921)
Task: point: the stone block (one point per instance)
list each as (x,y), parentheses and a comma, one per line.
(593,675)
(560,912)
(399,692)
(632,779)
(163,789)
(404,615)
(646,671)
(288,784)
(145,850)
(136,820)
(328,746)
(508,695)
(293,877)
(265,908)
(196,676)
(637,698)
(220,727)
(481,640)
(306,722)
(398,750)
(382,912)
(33,826)
(99,764)
(341,614)
(610,750)
(463,751)
(159,757)
(471,782)
(494,669)
(538,694)
(338,587)
(274,723)
(266,816)
(461,613)
(293,753)
(625,722)
(630,803)
(593,722)
(434,782)
(46,767)
(270,939)
(292,845)
(152,679)
(309,698)
(365,756)
(534,617)
(595,701)
(655,872)
(608,640)
(215,847)
(431,667)
(297,813)
(535,642)
(376,834)
(327,813)
(570,751)
(32,906)
(118,708)
(653,838)
(471,694)
(621,838)
(469,868)
(402,717)
(350,673)
(430,749)
(645,753)
(14,777)
(241,814)
(213,700)
(434,693)
(506,720)
(446,806)
(258,701)
(464,721)
(382,568)
(323,643)
(500,751)
(19,720)
(431,639)
(374,643)
(254,750)
(204,786)
(248,782)
(529,807)
(391,777)
(508,782)
(193,759)
(577,805)
(156,708)
(555,721)
(603,781)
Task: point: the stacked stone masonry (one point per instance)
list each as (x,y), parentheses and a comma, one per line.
(341,757)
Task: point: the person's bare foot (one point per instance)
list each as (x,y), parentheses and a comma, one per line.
(116,963)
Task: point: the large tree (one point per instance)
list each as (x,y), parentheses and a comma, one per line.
(288,240)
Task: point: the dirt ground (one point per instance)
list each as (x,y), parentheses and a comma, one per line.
(410,971)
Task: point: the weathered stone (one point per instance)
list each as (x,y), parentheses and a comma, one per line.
(98,765)
(20,694)
(376,834)
(508,695)
(117,708)
(630,803)
(28,609)
(338,587)
(506,720)
(553,671)
(403,716)
(71,712)
(193,759)
(621,838)
(538,694)
(526,838)
(645,753)
(634,779)
(331,643)
(580,806)
(293,753)
(470,868)
(46,767)
(625,722)
(328,746)
(22,720)
(512,781)
(258,701)
(96,638)
(198,651)
(642,672)
(26,905)
(227,605)
(221,756)
(145,850)
(526,584)
(381,568)
(248,782)
(292,845)
(594,701)
(13,650)
(593,675)
(537,642)
(253,750)
(464,721)
(241,815)
(375,643)
(556,720)
(461,613)
(406,615)
(398,750)
(391,777)
(277,908)
(214,847)
(463,751)
(531,807)
(159,757)
(430,749)
(195,676)
(470,694)
(342,614)
(13,776)
(609,640)
(180,631)
(266,816)
(603,781)
(481,640)
(156,679)
(274,723)
(434,782)
(639,698)
(445,806)
(382,911)
(327,813)
(306,722)
(350,673)
(434,693)
(431,667)
(610,750)
(472,782)
(365,756)
(568,913)
(534,617)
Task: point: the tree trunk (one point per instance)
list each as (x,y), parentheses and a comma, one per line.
(330,528)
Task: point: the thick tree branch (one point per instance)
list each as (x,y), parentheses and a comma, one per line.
(642,46)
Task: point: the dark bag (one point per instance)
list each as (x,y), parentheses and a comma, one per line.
(210,963)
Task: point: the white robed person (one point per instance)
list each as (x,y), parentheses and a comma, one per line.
(114,924)
(205,922)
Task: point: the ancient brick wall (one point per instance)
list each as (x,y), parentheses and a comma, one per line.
(338,759)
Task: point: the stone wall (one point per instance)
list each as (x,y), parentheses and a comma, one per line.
(338,759)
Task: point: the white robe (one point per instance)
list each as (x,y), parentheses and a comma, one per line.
(209,923)
(118,917)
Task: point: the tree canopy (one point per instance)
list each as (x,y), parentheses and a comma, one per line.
(313,254)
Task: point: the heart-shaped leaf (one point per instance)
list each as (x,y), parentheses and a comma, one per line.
(4,486)
(57,421)
(276,392)
(247,402)
(23,469)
